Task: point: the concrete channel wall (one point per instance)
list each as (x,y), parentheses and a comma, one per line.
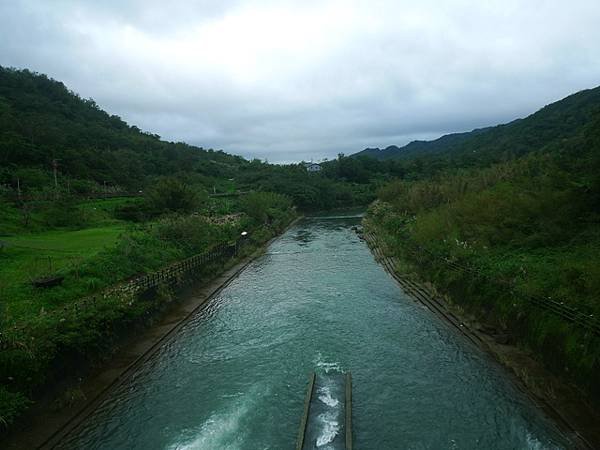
(327,417)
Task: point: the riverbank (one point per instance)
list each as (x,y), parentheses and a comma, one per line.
(47,422)
(564,403)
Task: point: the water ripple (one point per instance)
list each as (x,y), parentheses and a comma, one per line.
(235,375)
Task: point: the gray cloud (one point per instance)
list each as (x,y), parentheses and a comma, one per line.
(287,80)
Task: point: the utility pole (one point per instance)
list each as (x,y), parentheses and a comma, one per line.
(55,170)
(19,188)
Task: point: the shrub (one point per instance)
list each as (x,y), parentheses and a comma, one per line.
(265,207)
(133,211)
(62,212)
(191,234)
(171,195)
(12,404)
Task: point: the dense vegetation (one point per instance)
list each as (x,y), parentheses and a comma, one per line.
(523,219)
(41,120)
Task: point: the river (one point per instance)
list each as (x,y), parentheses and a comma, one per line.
(235,375)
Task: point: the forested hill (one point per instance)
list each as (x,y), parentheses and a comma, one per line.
(561,120)
(445,143)
(41,120)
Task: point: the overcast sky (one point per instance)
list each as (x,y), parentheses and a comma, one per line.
(292,80)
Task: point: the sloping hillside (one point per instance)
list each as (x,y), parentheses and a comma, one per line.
(447,142)
(41,120)
(548,126)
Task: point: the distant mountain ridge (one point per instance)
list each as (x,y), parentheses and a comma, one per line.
(559,120)
(440,144)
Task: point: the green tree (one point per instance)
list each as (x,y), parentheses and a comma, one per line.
(171,195)
(264,207)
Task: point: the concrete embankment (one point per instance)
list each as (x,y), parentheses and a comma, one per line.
(561,402)
(327,418)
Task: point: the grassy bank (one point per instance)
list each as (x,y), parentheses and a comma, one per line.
(513,238)
(496,285)
(53,333)
(28,257)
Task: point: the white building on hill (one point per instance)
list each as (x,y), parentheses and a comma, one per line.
(312,167)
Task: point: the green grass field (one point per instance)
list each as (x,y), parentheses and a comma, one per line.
(30,256)
(30,253)
(81,242)
(90,214)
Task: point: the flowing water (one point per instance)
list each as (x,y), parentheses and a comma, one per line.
(326,425)
(235,376)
